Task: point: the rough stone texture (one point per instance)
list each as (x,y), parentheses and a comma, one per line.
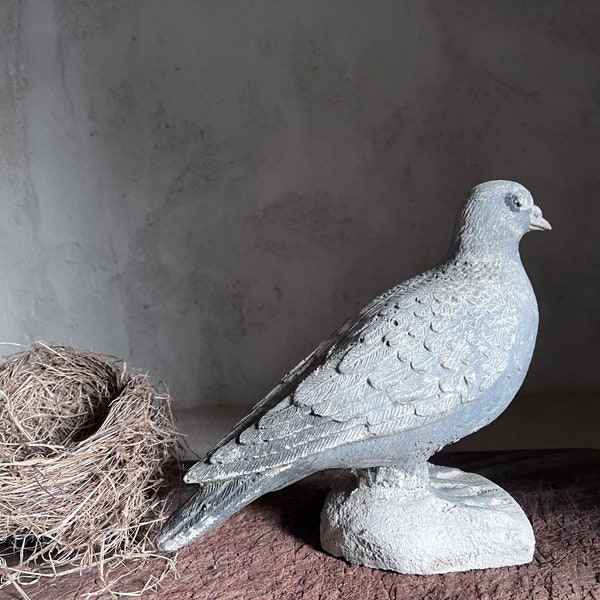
(270,550)
(178,184)
(455,521)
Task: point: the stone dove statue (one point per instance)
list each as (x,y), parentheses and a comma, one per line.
(424,364)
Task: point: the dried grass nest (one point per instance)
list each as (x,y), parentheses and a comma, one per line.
(88,454)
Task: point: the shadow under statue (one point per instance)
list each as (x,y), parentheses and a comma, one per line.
(426,363)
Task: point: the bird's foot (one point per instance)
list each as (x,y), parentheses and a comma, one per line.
(407,477)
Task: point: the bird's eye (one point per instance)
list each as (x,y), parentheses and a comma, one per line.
(514,202)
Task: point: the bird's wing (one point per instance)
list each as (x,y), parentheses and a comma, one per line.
(416,353)
(290,380)
(339,338)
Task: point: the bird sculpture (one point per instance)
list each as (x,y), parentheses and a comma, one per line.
(426,363)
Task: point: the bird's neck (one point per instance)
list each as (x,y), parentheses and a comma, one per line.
(476,248)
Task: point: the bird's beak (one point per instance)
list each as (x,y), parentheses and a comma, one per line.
(537,222)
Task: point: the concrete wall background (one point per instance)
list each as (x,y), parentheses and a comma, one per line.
(206,189)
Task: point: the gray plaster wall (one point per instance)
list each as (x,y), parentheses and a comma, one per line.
(207,188)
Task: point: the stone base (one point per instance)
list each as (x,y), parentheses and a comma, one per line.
(453,521)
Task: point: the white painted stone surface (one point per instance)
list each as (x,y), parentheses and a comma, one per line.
(456,521)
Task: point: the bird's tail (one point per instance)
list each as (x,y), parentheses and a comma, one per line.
(210,506)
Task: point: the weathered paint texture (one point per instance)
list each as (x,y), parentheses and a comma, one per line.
(207,189)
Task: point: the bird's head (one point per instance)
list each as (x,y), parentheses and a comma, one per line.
(495,216)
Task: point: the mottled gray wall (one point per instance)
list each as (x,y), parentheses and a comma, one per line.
(207,188)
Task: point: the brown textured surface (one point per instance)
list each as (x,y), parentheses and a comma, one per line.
(271,549)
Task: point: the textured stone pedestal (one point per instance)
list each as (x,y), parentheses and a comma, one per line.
(449,521)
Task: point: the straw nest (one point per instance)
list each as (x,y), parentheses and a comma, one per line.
(88,453)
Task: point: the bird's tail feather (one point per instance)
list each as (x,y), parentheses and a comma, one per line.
(210,506)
